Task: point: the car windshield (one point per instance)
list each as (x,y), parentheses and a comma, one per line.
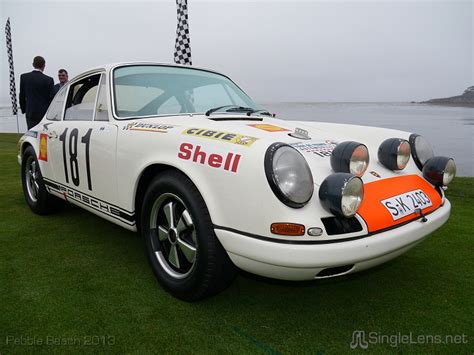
(150,90)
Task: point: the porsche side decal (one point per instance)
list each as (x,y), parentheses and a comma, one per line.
(91,201)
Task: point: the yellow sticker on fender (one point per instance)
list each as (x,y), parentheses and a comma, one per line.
(233,138)
(268,127)
(43,149)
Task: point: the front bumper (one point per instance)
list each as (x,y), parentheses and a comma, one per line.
(305,261)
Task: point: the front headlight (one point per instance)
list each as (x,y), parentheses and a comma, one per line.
(341,194)
(289,175)
(350,157)
(394,153)
(421,150)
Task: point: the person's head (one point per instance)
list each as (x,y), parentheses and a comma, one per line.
(63,76)
(39,62)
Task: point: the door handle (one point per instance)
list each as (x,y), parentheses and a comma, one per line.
(52,135)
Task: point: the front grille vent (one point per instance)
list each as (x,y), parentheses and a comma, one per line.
(341,225)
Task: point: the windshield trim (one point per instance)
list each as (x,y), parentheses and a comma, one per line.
(127,118)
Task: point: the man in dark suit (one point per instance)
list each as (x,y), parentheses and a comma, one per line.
(63,79)
(36,92)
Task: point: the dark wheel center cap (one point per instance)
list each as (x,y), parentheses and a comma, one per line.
(172,236)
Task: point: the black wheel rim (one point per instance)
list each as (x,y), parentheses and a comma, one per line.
(173,236)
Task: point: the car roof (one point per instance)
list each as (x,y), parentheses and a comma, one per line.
(110,66)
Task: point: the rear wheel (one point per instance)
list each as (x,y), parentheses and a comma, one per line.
(186,256)
(34,189)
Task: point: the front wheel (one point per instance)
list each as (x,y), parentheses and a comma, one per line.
(34,189)
(186,256)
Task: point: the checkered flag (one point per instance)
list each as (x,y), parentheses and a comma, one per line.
(182,51)
(12,71)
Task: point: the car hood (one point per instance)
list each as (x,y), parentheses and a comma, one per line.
(321,138)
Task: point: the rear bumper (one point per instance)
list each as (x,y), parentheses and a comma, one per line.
(305,261)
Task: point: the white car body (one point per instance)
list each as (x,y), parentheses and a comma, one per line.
(229,174)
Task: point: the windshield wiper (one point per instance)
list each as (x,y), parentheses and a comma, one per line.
(262,112)
(231,108)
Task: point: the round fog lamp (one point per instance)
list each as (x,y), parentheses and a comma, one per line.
(439,171)
(394,153)
(341,194)
(350,157)
(421,150)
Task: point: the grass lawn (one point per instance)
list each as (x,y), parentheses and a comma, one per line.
(73,278)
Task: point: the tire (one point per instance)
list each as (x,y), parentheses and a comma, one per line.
(34,189)
(182,248)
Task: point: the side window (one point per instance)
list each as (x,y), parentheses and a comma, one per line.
(56,108)
(102,109)
(81,99)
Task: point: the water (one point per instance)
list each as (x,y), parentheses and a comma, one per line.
(449,129)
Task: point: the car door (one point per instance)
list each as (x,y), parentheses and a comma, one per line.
(83,147)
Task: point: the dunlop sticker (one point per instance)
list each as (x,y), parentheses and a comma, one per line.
(147,127)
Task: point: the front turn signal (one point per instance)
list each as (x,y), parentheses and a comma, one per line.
(290,229)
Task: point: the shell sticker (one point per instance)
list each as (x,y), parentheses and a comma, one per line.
(43,147)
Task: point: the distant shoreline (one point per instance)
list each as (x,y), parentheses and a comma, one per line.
(449,104)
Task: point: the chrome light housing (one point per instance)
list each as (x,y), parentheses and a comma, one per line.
(288,175)
(394,153)
(341,194)
(421,150)
(439,171)
(350,157)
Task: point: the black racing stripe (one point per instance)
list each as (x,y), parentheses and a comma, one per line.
(331,241)
(52,184)
(286,241)
(98,199)
(130,218)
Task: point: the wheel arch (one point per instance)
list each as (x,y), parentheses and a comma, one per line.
(144,179)
(25,145)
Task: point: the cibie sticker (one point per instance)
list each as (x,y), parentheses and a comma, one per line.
(269,127)
(322,149)
(147,127)
(233,138)
(43,147)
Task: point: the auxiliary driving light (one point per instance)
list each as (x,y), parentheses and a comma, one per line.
(350,157)
(394,153)
(421,150)
(341,194)
(439,171)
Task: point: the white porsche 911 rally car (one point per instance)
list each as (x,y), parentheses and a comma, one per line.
(214,182)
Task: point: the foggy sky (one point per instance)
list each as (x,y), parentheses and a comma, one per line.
(276,51)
